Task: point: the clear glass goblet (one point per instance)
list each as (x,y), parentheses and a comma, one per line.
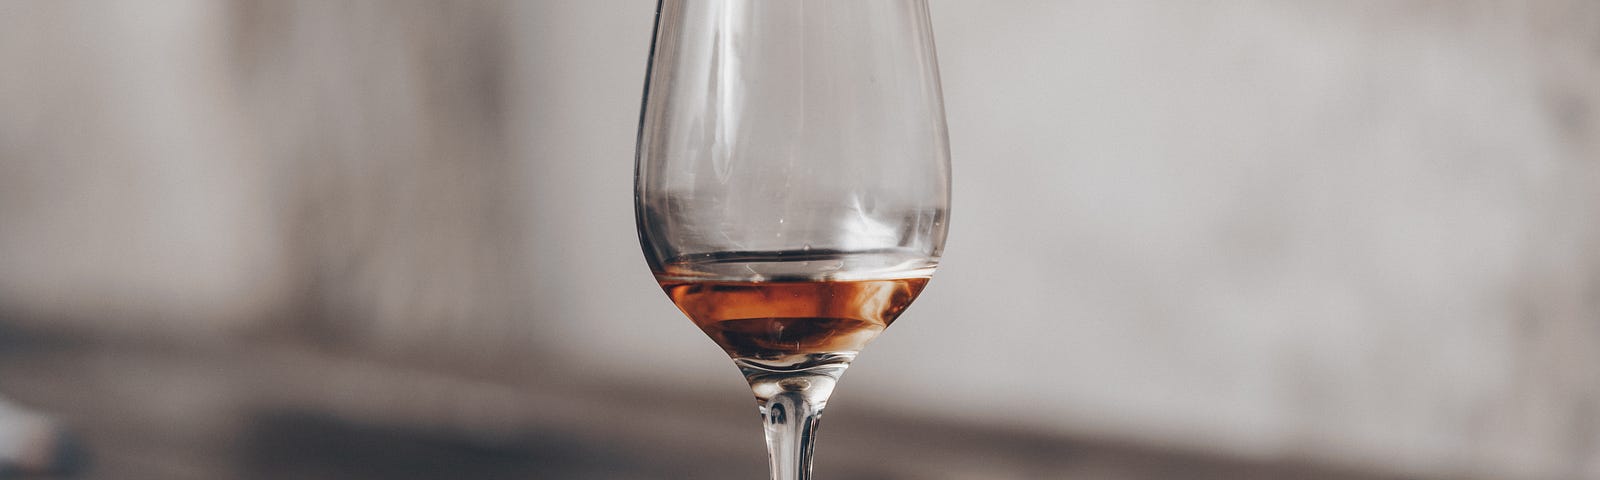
(792,186)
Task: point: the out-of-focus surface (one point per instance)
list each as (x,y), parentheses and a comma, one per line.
(363,239)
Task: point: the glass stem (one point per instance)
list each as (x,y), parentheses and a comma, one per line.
(792,394)
(791,423)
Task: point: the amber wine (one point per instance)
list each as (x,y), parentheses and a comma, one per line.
(815,303)
(768,320)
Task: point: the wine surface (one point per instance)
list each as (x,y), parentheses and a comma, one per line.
(771,320)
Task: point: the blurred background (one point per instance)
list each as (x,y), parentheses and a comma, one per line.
(394,239)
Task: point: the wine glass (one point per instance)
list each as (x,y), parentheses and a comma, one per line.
(792,186)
